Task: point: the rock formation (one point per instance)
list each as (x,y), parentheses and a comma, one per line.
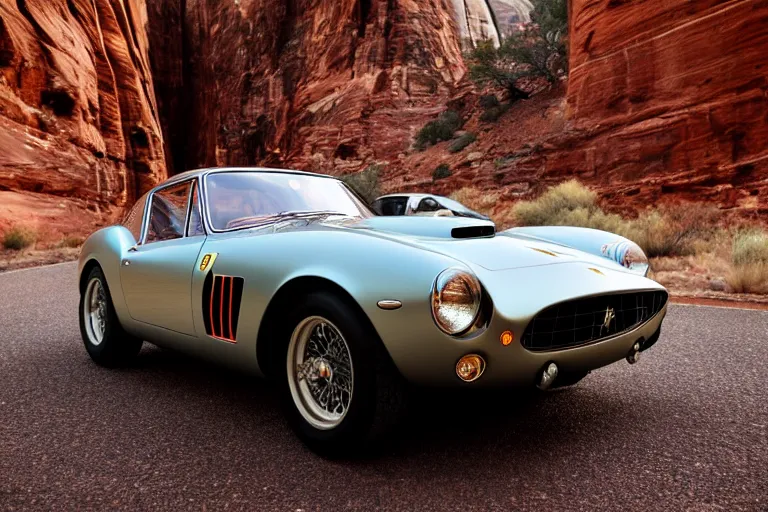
(665,101)
(78,122)
(99,97)
(670,98)
(483,20)
(325,86)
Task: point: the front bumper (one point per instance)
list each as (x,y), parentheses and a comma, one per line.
(426,356)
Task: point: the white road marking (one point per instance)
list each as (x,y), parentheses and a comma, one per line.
(7,272)
(673,303)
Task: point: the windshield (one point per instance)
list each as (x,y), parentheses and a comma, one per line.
(238,200)
(454,205)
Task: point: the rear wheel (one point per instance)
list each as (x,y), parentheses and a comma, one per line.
(104,338)
(338,386)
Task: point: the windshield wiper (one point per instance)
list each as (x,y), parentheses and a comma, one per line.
(307,213)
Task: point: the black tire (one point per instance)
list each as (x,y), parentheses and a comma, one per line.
(117,347)
(378,396)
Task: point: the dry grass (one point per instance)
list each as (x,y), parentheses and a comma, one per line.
(18,238)
(474,199)
(749,278)
(749,258)
(673,231)
(71,242)
(750,246)
(555,204)
(663,231)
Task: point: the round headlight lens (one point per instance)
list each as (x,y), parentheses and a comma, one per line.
(629,255)
(455,300)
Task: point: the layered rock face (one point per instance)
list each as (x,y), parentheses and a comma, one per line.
(78,122)
(669,98)
(324,86)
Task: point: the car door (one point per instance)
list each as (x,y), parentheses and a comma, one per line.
(156,275)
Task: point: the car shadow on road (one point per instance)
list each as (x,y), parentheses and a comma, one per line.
(436,422)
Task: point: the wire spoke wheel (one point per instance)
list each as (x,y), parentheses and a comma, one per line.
(95,311)
(320,373)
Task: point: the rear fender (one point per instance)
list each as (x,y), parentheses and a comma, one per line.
(106,247)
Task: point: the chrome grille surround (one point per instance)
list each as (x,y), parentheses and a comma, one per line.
(591,319)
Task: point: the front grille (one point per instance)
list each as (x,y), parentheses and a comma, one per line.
(582,321)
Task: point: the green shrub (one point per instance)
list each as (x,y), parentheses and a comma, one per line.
(558,201)
(441,129)
(442,171)
(487,101)
(750,247)
(462,142)
(18,238)
(491,115)
(537,50)
(365,182)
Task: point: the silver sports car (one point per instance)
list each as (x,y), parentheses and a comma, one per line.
(289,275)
(422,204)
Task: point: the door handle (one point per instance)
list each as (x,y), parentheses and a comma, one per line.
(126,263)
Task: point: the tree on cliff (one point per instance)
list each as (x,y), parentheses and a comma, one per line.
(536,50)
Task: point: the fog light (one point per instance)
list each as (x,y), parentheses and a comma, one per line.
(470,367)
(548,377)
(507,338)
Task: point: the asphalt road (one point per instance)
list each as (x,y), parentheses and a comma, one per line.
(686,429)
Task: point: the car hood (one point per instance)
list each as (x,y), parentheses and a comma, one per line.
(501,251)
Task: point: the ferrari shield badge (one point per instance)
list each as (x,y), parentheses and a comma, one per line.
(207,261)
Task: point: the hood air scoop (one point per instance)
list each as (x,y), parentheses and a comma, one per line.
(473,231)
(430,227)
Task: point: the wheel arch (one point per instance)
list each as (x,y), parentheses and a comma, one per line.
(87,268)
(297,287)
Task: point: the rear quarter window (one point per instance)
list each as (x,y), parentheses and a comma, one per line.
(135,217)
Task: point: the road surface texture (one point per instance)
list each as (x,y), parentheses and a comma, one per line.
(686,429)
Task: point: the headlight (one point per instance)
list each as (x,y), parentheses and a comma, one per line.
(628,254)
(455,300)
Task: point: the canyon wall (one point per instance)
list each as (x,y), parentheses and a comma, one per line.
(669,98)
(101,99)
(323,86)
(79,132)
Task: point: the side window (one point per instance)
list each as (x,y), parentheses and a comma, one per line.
(428,205)
(168,213)
(135,218)
(393,206)
(195,227)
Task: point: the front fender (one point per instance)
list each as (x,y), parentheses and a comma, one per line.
(604,244)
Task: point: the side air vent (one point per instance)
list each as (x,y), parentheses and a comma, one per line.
(221,306)
(473,232)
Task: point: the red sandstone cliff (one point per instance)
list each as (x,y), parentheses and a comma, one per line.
(324,86)
(666,99)
(78,122)
(674,97)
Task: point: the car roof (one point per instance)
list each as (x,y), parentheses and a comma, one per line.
(215,170)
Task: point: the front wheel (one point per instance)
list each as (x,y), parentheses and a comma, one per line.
(338,386)
(104,338)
